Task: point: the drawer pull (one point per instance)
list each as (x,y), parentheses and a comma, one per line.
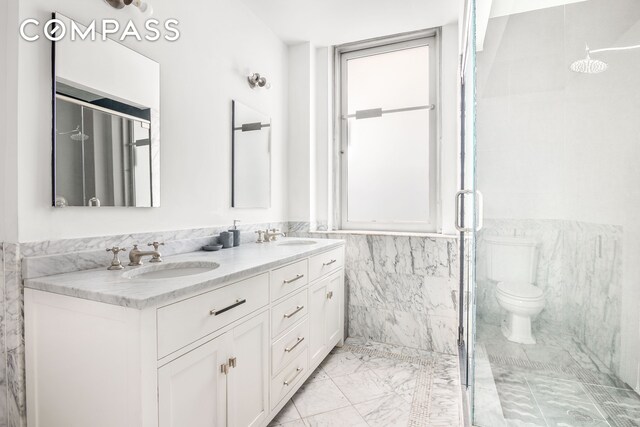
(238,302)
(326,264)
(294,312)
(329,294)
(298,277)
(289,381)
(290,349)
(233,362)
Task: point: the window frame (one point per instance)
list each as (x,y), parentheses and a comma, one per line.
(343,53)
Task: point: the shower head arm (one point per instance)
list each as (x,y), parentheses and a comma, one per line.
(610,49)
(77,129)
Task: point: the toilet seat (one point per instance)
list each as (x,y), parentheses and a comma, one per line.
(522,291)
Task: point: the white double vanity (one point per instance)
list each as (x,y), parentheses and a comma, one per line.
(226,341)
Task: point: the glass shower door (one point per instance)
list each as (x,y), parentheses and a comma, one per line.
(468,203)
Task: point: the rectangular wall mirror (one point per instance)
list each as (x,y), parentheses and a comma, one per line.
(251,175)
(106,139)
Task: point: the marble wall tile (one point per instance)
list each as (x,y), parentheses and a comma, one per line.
(3,349)
(401,289)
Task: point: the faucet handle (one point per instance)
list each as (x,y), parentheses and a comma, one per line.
(260,234)
(155,245)
(156,257)
(115,262)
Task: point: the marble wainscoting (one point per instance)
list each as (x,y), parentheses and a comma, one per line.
(37,259)
(12,397)
(579,268)
(401,289)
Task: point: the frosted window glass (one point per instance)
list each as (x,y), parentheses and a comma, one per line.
(388,168)
(390,80)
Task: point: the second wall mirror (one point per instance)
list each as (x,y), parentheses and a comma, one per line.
(251,158)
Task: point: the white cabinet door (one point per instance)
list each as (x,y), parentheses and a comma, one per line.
(317,335)
(333,313)
(192,390)
(324,316)
(248,380)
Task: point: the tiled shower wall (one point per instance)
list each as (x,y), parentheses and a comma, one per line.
(400,289)
(579,268)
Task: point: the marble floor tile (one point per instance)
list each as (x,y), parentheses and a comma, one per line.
(362,386)
(401,378)
(562,413)
(344,363)
(317,375)
(318,397)
(622,416)
(546,388)
(296,423)
(340,417)
(388,411)
(286,414)
(375,385)
(546,354)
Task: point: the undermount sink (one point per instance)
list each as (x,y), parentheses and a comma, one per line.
(298,243)
(171,270)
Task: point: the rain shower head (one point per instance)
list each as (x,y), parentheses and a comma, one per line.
(589,65)
(79,136)
(76,134)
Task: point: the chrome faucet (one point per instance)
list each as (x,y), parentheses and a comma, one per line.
(135,255)
(272,235)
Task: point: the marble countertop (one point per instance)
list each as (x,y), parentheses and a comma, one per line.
(113,287)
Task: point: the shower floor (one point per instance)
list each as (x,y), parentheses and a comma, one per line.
(553,383)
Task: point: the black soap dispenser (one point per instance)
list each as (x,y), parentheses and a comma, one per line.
(235,232)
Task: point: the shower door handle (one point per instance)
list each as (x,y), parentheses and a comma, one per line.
(479,215)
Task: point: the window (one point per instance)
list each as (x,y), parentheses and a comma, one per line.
(388,96)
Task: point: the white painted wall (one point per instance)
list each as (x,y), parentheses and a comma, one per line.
(8,100)
(221,43)
(301,129)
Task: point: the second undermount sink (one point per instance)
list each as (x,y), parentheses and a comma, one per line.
(297,243)
(171,270)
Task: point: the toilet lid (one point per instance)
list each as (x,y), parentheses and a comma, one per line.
(520,290)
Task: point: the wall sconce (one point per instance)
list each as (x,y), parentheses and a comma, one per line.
(143,6)
(256,79)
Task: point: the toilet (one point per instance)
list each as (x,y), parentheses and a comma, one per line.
(512,262)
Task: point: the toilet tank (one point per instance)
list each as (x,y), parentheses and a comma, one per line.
(511,259)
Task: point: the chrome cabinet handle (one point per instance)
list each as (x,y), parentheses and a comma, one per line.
(330,262)
(233,362)
(290,349)
(329,294)
(224,368)
(294,312)
(238,302)
(298,277)
(289,381)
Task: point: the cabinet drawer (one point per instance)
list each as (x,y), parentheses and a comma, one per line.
(287,279)
(319,265)
(189,320)
(289,346)
(288,313)
(288,379)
